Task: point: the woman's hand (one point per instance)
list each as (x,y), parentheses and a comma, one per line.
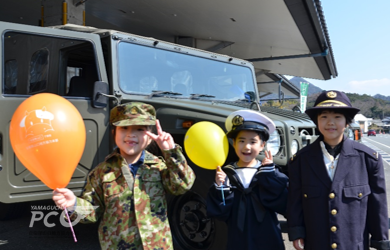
(298,244)
(63,198)
(163,139)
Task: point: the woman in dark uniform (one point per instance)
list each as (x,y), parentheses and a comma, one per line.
(337,191)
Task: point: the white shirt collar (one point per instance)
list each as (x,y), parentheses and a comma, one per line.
(329,160)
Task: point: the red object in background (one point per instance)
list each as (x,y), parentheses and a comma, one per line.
(371,132)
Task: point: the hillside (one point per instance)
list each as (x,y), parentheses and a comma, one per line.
(375,107)
(379,96)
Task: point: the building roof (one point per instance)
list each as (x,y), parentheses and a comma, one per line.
(360,117)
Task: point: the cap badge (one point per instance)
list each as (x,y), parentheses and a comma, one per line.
(331,94)
(134,111)
(237,120)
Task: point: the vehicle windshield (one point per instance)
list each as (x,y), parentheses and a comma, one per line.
(144,70)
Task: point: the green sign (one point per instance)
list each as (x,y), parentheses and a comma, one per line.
(304,90)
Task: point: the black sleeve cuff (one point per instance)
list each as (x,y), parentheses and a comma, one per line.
(380,245)
(224,187)
(295,233)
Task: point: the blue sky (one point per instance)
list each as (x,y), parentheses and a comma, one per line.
(360,36)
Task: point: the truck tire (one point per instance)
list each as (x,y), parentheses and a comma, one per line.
(190,226)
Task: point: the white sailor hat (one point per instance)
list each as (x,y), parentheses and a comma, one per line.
(248,120)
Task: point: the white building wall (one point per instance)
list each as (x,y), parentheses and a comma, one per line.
(363,121)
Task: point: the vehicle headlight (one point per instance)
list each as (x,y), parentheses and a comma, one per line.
(294,147)
(273,143)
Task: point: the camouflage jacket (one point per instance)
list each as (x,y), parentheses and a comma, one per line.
(134,217)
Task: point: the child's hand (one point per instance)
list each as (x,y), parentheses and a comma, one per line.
(268,158)
(64,197)
(298,244)
(164,140)
(220,176)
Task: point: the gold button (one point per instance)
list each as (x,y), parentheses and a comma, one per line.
(334,245)
(333,229)
(305,195)
(331,195)
(360,195)
(333,212)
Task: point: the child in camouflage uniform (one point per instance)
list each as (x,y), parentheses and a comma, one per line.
(127,190)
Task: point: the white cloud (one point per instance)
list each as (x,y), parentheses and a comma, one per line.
(371,87)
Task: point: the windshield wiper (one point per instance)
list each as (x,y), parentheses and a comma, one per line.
(197,96)
(242,100)
(158,92)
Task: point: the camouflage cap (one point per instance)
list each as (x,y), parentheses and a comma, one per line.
(133,113)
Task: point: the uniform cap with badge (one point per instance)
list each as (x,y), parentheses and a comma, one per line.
(248,120)
(133,113)
(331,99)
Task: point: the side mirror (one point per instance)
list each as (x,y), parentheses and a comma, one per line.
(99,98)
(250,96)
(297,109)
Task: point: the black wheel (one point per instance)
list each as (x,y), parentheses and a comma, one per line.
(190,226)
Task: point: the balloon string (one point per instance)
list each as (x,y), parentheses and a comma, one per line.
(223,195)
(70,224)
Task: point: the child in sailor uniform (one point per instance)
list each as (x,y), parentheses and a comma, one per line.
(249,193)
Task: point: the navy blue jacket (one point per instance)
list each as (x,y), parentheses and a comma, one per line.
(250,213)
(343,213)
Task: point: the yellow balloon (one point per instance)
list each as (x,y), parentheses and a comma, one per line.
(206,145)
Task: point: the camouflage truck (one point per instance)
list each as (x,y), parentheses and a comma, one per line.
(95,70)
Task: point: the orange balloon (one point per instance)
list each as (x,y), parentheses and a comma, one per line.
(47,134)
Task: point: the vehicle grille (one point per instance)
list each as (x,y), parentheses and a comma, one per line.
(286,113)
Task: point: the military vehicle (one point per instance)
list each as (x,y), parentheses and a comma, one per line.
(95,70)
